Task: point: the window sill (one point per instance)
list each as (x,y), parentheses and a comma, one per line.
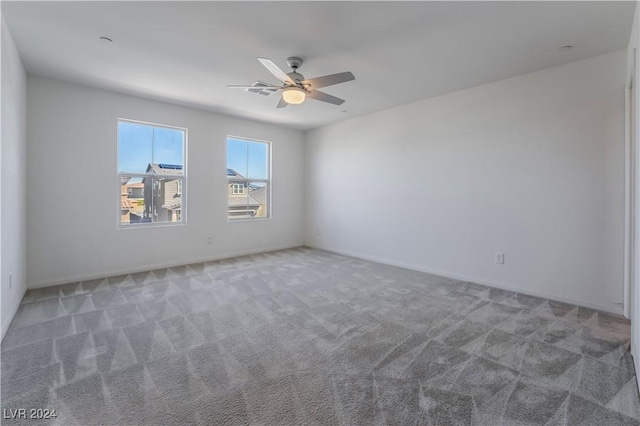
(254,219)
(151,225)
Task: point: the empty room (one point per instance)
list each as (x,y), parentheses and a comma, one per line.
(319,213)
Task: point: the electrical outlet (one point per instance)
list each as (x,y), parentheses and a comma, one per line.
(209,239)
(500,258)
(317,232)
(10,281)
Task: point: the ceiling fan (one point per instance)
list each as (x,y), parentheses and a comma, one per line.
(295,89)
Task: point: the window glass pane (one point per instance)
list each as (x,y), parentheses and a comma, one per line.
(257,164)
(167,146)
(151,200)
(131,200)
(140,145)
(258,196)
(162,200)
(239,206)
(236,157)
(135,146)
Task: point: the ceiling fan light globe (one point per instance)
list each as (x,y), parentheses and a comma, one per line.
(294,95)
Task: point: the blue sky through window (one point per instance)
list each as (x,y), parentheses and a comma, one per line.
(142,144)
(249,158)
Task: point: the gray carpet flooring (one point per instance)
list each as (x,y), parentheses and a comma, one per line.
(303,336)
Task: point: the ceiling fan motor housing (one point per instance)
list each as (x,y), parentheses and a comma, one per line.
(297,77)
(294,62)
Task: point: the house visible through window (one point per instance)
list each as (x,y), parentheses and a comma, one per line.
(152,173)
(248,178)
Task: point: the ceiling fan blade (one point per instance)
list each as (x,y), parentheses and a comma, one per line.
(282,103)
(276,71)
(324,97)
(244,86)
(329,80)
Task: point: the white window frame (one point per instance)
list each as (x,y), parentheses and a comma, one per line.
(181,178)
(267,181)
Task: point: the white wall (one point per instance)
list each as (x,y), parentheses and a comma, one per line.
(13,178)
(633,73)
(72,187)
(532,166)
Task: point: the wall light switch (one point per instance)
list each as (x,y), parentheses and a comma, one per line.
(500,258)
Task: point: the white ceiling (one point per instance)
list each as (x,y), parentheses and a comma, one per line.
(187,52)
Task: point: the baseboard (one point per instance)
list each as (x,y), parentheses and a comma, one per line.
(496,284)
(148,267)
(636,360)
(12,314)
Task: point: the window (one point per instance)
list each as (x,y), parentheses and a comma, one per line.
(248,182)
(238,189)
(151,170)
